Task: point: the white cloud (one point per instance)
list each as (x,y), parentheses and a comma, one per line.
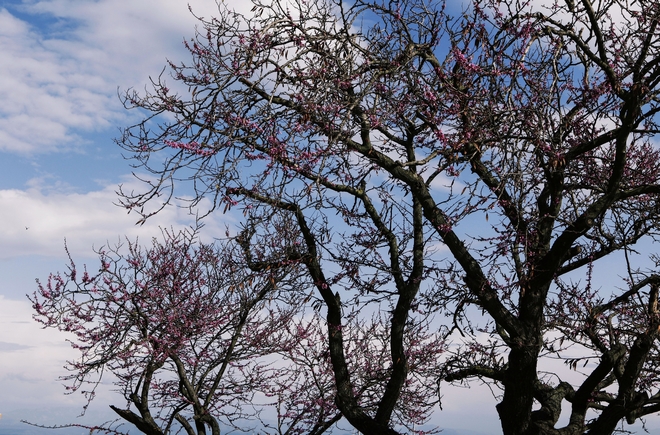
(55,86)
(38,89)
(32,374)
(37,360)
(36,221)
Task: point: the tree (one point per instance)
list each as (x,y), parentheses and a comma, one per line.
(440,166)
(182,328)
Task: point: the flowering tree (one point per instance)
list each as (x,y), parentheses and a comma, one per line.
(181,327)
(439,165)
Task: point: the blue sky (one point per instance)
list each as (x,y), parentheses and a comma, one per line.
(61,64)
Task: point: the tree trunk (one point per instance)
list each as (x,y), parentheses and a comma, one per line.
(515,409)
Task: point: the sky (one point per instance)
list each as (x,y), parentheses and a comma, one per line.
(62,64)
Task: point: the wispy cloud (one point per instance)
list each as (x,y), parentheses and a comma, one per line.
(58,82)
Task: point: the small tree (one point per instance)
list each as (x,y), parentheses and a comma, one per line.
(440,165)
(182,328)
